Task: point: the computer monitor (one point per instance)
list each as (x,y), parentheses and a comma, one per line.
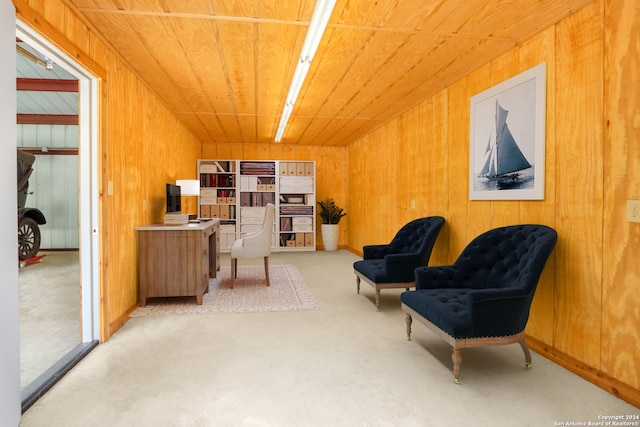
(173,199)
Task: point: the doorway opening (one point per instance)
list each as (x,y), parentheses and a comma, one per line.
(83,163)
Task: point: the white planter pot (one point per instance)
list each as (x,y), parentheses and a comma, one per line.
(330,236)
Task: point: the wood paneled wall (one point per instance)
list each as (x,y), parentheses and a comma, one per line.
(621,163)
(331,169)
(585,314)
(142,146)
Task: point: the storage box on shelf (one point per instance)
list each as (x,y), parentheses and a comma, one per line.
(297,169)
(290,185)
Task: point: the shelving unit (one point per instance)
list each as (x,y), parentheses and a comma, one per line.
(218,181)
(239,189)
(257,189)
(296,185)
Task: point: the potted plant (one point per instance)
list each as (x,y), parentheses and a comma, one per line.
(331,215)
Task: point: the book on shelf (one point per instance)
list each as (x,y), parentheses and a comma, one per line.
(268,198)
(257,168)
(208,180)
(225,180)
(249,183)
(225,166)
(217,180)
(296,210)
(285,224)
(245,199)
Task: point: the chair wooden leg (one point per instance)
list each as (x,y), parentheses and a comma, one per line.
(408,320)
(358,285)
(527,353)
(234,271)
(378,299)
(266,269)
(457,360)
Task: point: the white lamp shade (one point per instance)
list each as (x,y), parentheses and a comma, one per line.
(189,187)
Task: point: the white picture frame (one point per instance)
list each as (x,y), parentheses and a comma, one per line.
(507,138)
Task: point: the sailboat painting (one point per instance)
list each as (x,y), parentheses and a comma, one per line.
(507,139)
(503,160)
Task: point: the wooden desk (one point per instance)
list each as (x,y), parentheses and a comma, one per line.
(178,260)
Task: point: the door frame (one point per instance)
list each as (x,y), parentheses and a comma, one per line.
(88,178)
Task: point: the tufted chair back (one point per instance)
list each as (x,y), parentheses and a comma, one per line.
(416,236)
(512,256)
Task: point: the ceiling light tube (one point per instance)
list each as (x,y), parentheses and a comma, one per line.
(317,26)
(296,83)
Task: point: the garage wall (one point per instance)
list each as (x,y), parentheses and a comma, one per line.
(54,182)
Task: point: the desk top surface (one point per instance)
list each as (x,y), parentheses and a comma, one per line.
(195,226)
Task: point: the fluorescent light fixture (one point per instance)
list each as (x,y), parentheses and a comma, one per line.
(318,24)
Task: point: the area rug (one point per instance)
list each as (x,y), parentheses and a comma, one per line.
(287,292)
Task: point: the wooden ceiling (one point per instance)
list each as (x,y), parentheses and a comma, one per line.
(224,67)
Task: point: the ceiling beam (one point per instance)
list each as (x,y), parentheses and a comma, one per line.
(46,85)
(47,151)
(47,119)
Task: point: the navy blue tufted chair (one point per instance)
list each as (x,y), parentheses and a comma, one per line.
(392,265)
(485,296)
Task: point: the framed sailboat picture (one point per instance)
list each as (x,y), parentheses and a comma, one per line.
(508,137)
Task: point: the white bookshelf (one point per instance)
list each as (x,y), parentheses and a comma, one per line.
(236,191)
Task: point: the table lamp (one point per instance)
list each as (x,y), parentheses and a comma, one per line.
(188,188)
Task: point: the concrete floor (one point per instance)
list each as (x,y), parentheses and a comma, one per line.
(49,312)
(342,365)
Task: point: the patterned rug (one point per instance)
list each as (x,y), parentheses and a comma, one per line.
(288,292)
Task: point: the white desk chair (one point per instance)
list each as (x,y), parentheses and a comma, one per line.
(255,244)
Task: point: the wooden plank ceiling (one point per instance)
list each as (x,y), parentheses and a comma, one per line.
(224,67)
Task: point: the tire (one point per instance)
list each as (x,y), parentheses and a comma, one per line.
(28,238)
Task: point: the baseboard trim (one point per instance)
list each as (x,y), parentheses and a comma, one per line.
(593,375)
(321,247)
(119,322)
(355,251)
